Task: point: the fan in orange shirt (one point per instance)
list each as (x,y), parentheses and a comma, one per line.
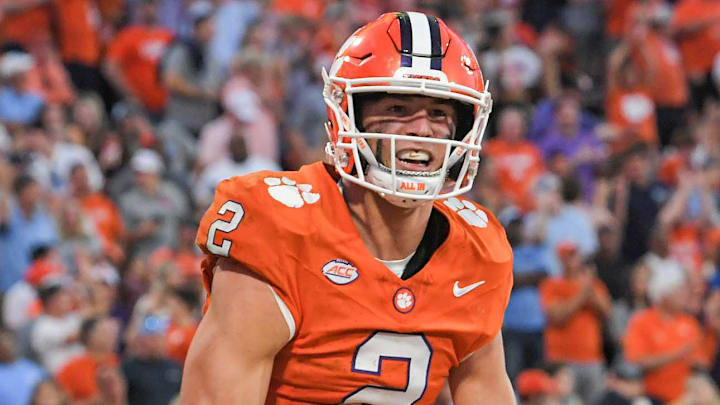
(16,16)
(630,106)
(79,376)
(182,303)
(658,61)
(78,25)
(576,305)
(132,60)
(662,340)
(696,28)
(516,162)
(101,210)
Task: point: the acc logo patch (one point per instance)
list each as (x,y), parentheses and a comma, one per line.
(340,271)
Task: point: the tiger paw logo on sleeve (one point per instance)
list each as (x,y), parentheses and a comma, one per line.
(290,193)
(469,212)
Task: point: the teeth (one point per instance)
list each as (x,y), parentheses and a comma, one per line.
(416,155)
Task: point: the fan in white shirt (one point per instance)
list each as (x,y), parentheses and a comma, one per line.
(237,164)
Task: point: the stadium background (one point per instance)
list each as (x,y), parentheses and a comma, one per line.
(119,117)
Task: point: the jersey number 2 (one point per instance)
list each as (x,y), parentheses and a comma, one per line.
(224,226)
(410,348)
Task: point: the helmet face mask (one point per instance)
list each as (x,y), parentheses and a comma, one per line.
(370,62)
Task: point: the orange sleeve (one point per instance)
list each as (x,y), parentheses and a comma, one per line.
(240,226)
(117,49)
(499,257)
(547,293)
(634,342)
(701,354)
(601,289)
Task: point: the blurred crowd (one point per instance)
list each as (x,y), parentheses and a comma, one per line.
(602,159)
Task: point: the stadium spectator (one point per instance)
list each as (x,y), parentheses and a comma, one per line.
(78,25)
(153,208)
(534,387)
(554,220)
(582,147)
(79,376)
(133,59)
(18,376)
(516,162)
(239,162)
(245,115)
(18,105)
(524,325)
(635,200)
(21,303)
(662,340)
(152,378)
(24,225)
(695,25)
(182,302)
(187,74)
(657,56)
(630,106)
(576,305)
(55,334)
(101,210)
(624,386)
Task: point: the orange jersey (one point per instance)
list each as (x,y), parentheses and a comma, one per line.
(579,339)
(363,335)
(649,334)
(517,166)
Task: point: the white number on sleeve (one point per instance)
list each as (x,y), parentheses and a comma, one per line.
(224,226)
(413,349)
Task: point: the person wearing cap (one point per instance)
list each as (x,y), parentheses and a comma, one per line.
(18,106)
(534,387)
(576,305)
(152,378)
(663,340)
(624,386)
(153,208)
(21,304)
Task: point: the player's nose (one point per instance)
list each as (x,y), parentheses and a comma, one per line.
(420,125)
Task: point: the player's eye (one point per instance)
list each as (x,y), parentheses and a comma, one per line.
(438,113)
(397,109)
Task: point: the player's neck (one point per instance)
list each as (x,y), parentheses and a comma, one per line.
(389,232)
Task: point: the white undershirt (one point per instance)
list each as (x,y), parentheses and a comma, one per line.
(397,266)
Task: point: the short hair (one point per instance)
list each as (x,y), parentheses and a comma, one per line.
(21,182)
(187,295)
(571,188)
(87,328)
(46,293)
(40,252)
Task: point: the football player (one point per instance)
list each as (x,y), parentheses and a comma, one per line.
(366,278)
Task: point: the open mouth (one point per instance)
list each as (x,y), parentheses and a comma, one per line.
(413,160)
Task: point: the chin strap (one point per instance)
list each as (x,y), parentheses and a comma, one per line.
(417,185)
